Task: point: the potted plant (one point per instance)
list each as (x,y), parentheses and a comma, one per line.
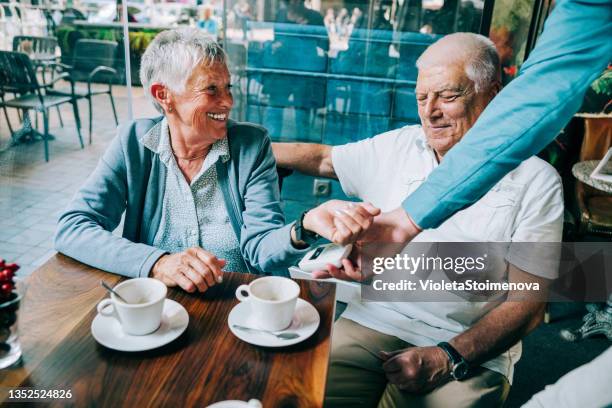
(596,111)
(598,99)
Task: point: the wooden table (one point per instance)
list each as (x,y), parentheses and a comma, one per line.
(205,365)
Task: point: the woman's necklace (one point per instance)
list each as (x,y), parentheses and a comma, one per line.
(193,157)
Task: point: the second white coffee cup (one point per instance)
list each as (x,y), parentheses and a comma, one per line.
(272,300)
(143,312)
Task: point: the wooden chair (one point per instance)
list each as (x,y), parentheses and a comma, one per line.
(17,76)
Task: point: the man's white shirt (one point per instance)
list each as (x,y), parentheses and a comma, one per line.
(525,206)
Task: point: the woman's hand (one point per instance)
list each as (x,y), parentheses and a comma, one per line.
(342,222)
(193,269)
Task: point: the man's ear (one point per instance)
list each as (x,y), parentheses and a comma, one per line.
(495,89)
(162,95)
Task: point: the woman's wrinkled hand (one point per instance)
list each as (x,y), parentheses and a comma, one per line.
(193,269)
(341,222)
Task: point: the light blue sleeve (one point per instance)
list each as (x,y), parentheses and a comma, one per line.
(265,240)
(574,48)
(84,230)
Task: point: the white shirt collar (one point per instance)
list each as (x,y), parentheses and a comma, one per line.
(157,139)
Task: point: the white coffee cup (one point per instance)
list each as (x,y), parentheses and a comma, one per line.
(142,314)
(272,300)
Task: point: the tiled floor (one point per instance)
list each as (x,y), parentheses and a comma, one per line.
(33,193)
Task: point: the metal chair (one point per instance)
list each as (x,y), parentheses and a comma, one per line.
(17,76)
(71,14)
(39,47)
(6,116)
(93,60)
(41,51)
(33,21)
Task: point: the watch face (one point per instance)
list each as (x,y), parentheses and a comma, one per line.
(460,370)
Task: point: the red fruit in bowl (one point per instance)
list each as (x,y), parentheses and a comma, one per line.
(2,263)
(6,275)
(12,266)
(6,288)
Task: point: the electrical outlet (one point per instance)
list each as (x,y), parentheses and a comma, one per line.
(321,188)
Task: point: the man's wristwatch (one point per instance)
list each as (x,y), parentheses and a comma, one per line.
(304,235)
(459,366)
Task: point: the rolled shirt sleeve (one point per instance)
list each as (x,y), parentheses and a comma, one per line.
(350,175)
(528,114)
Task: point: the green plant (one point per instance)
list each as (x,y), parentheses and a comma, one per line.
(598,98)
(68,35)
(63,32)
(603,86)
(140,40)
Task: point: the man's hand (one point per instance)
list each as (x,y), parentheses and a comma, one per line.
(193,269)
(392,227)
(342,222)
(416,369)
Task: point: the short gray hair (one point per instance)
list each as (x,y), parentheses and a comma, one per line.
(482,64)
(173,55)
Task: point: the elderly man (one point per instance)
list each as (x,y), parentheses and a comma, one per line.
(409,354)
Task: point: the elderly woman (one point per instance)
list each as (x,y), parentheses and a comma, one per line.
(199,191)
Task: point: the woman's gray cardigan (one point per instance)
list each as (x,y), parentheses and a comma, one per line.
(131,178)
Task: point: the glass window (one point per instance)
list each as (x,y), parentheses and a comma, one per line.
(316,71)
(509,31)
(333,72)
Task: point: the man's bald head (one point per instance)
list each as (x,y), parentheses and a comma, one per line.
(458,77)
(476,52)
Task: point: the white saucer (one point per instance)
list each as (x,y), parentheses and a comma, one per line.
(305,322)
(107,330)
(253,403)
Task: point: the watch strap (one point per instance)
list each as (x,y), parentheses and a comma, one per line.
(304,235)
(459,365)
(452,353)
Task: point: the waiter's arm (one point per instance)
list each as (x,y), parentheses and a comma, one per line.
(572,51)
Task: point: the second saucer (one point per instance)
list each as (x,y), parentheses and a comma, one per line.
(305,322)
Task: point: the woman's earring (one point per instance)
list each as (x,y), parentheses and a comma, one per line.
(169,108)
